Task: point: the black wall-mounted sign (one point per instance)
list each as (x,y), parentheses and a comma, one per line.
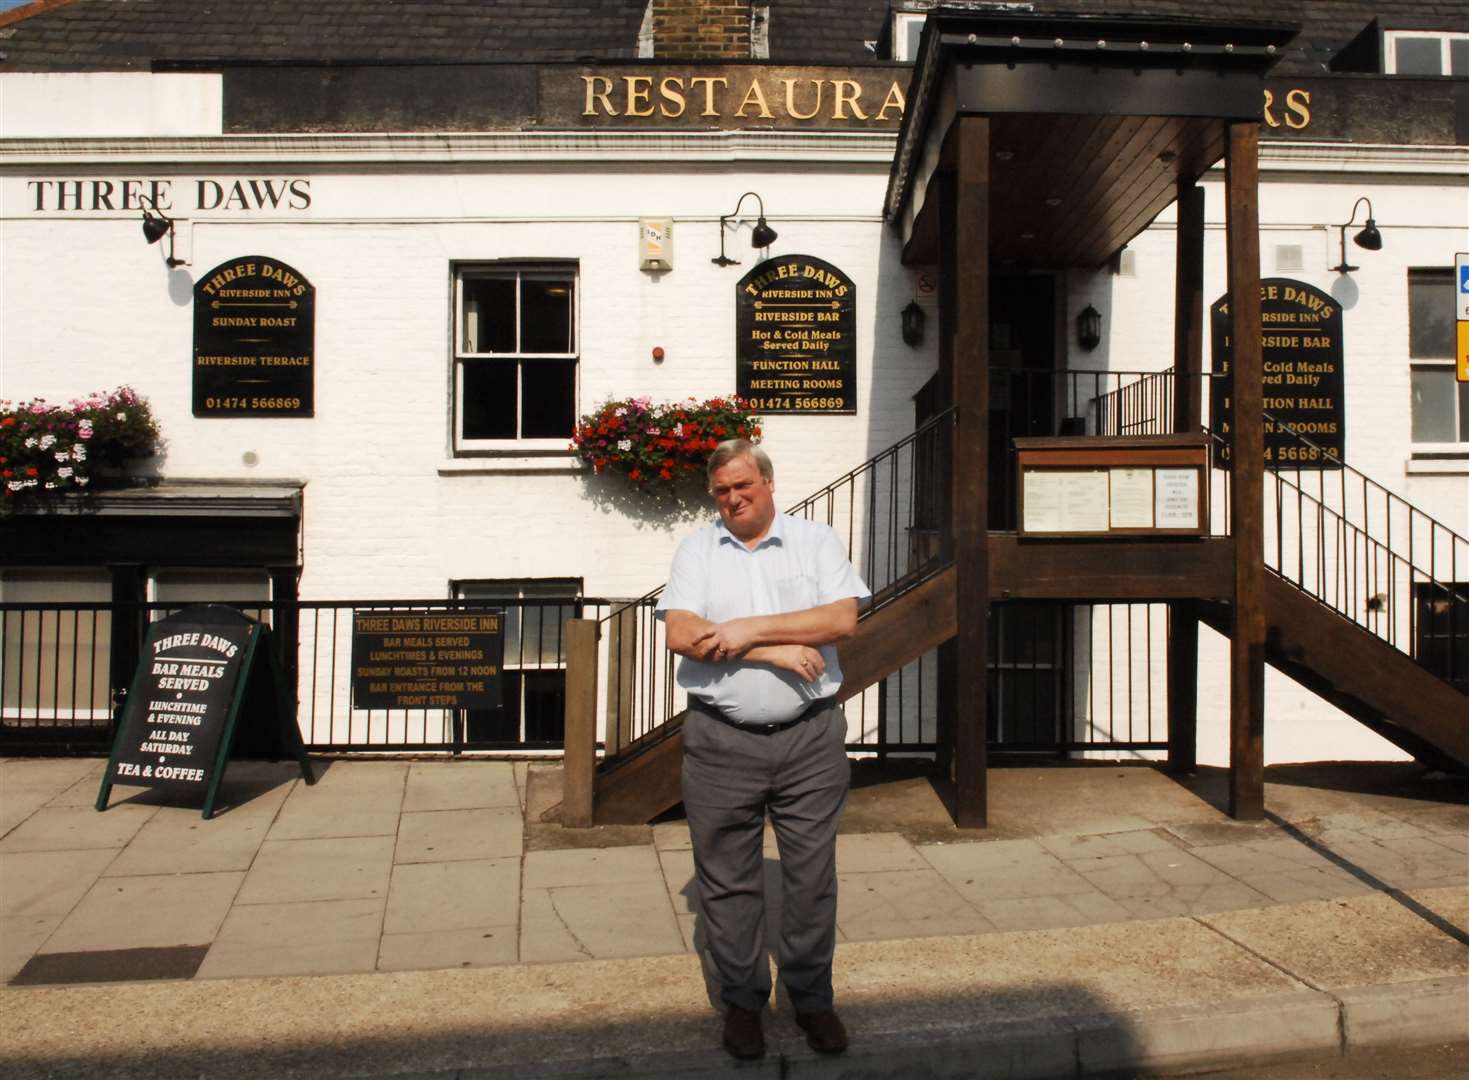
(1301,343)
(202,669)
(796,337)
(254,340)
(427,659)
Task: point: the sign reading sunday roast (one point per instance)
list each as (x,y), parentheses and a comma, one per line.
(1301,345)
(796,337)
(202,669)
(254,340)
(427,659)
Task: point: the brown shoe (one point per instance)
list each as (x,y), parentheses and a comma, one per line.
(824,1031)
(743,1036)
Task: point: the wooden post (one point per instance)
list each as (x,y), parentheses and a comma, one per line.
(946,695)
(579,758)
(1247,487)
(1188,366)
(622,646)
(970,503)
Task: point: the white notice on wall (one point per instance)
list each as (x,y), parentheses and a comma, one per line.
(1176,499)
(1084,501)
(1132,498)
(1042,501)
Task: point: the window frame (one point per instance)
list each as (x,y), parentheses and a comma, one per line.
(459,356)
(1390,39)
(902,21)
(1459,447)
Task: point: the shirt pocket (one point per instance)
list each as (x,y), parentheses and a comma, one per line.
(796,592)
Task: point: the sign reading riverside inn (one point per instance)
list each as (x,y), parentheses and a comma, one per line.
(1301,345)
(426,659)
(254,340)
(796,337)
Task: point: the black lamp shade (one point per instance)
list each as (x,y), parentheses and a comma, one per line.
(1369,237)
(762,235)
(155,228)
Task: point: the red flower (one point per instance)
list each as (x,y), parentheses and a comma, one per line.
(6,475)
(7,422)
(31,471)
(710,444)
(664,474)
(757,431)
(721,431)
(636,474)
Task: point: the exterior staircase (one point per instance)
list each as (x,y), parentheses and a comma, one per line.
(1354,572)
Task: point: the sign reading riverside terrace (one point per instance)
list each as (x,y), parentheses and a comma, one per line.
(426,659)
(796,337)
(254,340)
(1301,340)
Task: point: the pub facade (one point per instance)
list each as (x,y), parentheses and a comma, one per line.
(368,302)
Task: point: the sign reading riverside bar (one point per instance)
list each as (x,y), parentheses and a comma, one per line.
(796,337)
(254,340)
(426,659)
(1301,339)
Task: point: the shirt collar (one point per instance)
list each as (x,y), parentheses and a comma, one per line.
(776,534)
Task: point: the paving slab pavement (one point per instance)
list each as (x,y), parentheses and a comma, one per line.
(1110,914)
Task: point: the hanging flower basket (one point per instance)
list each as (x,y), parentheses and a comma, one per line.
(659,448)
(50,450)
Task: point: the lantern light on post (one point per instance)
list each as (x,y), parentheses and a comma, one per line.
(913,319)
(1089,328)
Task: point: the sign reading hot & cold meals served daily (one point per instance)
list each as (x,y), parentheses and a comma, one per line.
(796,337)
(254,340)
(427,659)
(1301,349)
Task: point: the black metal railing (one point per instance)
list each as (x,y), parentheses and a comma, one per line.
(65,669)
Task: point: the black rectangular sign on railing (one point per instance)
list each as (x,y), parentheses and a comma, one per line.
(427,659)
(184,706)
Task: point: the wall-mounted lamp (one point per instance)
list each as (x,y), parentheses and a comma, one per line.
(1089,328)
(913,319)
(1369,238)
(157,225)
(761,237)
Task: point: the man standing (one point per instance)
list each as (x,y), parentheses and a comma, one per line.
(754,603)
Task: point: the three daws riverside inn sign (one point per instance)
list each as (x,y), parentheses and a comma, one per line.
(207,685)
(1301,346)
(427,659)
(796,337)
(254,340)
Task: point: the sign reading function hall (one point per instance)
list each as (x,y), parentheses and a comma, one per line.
(254,340)
(796,337)
(1301,347)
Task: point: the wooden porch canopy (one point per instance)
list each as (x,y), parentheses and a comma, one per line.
(1093,123)
(1051,141)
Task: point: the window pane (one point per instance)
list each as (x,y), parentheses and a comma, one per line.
(549,406)
(489,315)
(546,308)
(1430,314)
(1419,56)
(1464,411)
(1433,404)
(1459,56)
(489,399)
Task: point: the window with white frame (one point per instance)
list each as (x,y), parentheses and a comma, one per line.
(515,356)
(1426,52)
(533,674)
(907,32)
(248,590)
(1440,402)
(55,647)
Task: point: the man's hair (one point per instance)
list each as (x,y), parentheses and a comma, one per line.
(730,449)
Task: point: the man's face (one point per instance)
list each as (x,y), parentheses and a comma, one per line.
(746,499)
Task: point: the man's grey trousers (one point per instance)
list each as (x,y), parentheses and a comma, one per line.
(731,778)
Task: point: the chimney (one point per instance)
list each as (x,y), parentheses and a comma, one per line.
(701,29)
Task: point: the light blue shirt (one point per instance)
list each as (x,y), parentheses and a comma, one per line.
(797,565)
